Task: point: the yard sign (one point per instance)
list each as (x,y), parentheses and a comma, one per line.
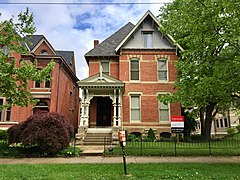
(177,124)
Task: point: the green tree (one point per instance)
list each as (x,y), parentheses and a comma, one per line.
(13,79)
(209,66)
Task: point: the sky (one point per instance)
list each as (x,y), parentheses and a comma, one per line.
(74,24)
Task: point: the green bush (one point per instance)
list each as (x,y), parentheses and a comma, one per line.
(45,132)
(70,152)
(3,135)
(161,139)
(173,139)
(131,137)
(151,135)
(238,128)
(231,131)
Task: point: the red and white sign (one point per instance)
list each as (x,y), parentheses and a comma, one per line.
(177,124)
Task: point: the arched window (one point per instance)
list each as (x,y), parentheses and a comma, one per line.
(44,52)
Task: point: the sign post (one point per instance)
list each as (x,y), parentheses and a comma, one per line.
(122,141)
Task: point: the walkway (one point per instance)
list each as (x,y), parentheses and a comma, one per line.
(130,159)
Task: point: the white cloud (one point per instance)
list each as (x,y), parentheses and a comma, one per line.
(63,25)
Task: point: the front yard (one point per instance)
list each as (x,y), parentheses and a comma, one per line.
(115,171)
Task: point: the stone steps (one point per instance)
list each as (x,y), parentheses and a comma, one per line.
(98,137)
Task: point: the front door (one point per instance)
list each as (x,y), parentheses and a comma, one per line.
(104,106)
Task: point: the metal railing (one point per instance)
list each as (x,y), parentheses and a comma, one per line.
(229,146)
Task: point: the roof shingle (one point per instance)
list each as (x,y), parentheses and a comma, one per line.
(107,47)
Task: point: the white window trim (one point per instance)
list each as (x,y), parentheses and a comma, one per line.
(104,60)
(150,31)
(4,112)
(139,71)
(169,108)
(140,105)
(166,69)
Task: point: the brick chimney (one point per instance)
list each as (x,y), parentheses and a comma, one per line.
(96,42)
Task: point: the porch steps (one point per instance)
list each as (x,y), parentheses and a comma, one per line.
(98,136)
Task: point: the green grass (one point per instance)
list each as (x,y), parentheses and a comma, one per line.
(115,171)
(229,146)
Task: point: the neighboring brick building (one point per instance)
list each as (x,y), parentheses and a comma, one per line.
(61,94)
(127,72)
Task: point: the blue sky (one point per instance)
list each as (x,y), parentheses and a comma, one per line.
(74,27)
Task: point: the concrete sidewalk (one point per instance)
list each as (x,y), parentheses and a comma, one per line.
(130,159)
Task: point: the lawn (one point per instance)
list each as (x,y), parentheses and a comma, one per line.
(115,171)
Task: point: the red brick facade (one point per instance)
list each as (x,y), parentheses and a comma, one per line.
(63,94)
(143,59)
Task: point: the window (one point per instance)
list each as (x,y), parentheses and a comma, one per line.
(162,70)
(47,84)
(105,66)
(134,69)
(44,52)
(163,112)
(221,122)
(70,100)
(5,49)
(225,122)
(37,84)
(135,108)
(5,113)
(147,40)
(217,123)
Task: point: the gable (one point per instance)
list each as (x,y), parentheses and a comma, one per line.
(148,25)
(42,48)
(39,44)
(148,21)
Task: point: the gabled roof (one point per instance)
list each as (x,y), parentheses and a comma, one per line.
(170,38)
(111,45)
(100,80)
(107,47)
(34,40)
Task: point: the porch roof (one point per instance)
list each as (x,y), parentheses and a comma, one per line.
(101,81)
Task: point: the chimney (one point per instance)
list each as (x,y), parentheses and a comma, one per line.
(96,42)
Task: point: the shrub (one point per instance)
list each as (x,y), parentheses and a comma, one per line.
(51,132)
(238,128)
(3,135)
(173,139)
(131,137)
(151,135)
(197,137)
(231,131)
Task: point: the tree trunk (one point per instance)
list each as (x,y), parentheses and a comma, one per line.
(201,115)
(208,121)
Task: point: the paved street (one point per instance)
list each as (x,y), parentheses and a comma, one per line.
(101,159)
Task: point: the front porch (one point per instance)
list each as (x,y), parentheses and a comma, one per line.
(101,106)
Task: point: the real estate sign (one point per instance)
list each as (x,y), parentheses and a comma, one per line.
(177,124)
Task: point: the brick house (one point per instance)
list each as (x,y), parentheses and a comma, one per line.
(61,94)
(127,71)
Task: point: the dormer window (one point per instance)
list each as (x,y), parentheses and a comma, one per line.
(44,52)
(147,39)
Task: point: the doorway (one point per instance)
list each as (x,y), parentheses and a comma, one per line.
(104,114)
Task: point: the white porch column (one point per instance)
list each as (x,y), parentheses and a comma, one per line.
(114,108)
(84,120)
(119,108)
